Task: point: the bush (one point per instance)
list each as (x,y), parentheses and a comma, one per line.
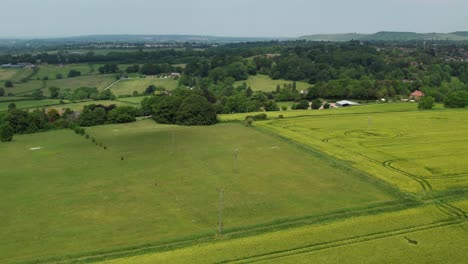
(6,133)
(316,104)
(281,116)
(303,104)
(8,84)
(426,103)
(284,108)
(74,73)
(249,121)
(326,106)
(58,76)
(456,100)
(257,117)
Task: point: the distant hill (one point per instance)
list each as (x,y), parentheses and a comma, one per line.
(334,37)
(139,39)
(390,36)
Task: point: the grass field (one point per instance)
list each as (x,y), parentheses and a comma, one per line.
(73,198)
(79,105)
(265,83)
(132,100)
(51,71)
(99,81)
(7,74)
(29,104)
(352,240)
(412,150)
(125,87)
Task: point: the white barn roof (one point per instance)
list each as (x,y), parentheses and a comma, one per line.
(346,103)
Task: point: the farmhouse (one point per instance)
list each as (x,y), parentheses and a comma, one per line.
(345,103)
(416,95)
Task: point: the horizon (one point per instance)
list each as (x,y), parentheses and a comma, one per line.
(246,19)
(219,36)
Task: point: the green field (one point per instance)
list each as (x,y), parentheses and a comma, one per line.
(51,71)
(72,196)
(265,83)
(29,104)
(353,240)
(7,74)
(132,100)
(127,87)
(413,151)
(99,81)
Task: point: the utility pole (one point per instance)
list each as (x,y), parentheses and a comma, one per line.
(220,230)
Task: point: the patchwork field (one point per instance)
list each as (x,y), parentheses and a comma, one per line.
(73,199)
(125,87)
(413,151)
(265,83)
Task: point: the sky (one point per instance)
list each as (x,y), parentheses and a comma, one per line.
(237,18)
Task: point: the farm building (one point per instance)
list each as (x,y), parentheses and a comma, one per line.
(416,95)
(17,66)
(345,103)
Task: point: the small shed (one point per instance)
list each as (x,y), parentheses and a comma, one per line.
(345,103)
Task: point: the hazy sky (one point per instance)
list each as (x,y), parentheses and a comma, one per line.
(269,18)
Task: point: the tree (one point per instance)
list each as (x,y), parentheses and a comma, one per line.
(37,95)
(196,110)
(54,92)
(52,115)
(316,104)
(6,133)
(74,73)
(427,102)
(2,91)
(11,106)
(122,114)
(165,108)
(456,100)
(8,84)
(303,104)
(150,89)
(108,68)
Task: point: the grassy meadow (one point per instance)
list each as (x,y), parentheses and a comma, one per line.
(73,198)
(127,87)
(264,83)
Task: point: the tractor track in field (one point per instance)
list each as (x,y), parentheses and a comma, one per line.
(139,250)
(340,242)
(425,185)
